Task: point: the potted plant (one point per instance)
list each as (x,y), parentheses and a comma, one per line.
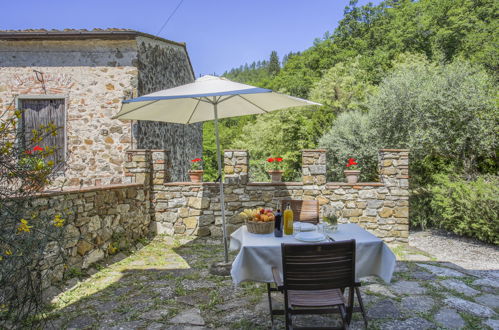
(274,171)
(196,171)
(352,172)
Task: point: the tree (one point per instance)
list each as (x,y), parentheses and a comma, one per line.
(445,110)
(278,134)
(445,114)
(350,137)
(343,87)
(31,243)
(274,66)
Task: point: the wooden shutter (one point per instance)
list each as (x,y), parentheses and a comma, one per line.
(43,112)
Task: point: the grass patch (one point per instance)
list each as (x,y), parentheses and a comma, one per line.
(215,299)
(179,288)
(472,322)
(401,251)
(246,325)
(253,291)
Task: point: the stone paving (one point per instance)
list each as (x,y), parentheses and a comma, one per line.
(165,284)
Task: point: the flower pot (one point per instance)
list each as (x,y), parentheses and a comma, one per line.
(352,175)
(196,175)
(276,176)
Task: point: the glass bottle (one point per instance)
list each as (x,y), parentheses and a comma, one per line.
(278,222)
(288,220)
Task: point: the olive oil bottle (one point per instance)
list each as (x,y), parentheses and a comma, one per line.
(288,220)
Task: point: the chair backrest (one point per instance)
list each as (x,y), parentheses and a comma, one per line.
(305,211)
(318,266)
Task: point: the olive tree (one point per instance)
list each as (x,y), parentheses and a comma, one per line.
(445,114)
(449,111)
(350,137)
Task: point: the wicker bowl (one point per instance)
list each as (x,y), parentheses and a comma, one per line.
(259,227)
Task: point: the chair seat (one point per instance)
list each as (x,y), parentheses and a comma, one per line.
(315,298)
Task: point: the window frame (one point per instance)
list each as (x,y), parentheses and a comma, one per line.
(20,98)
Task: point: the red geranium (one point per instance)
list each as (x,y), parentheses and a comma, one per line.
(275,161)
(36,148)
(196,164)
(352,164)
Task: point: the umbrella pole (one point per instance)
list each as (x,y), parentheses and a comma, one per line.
(222,202)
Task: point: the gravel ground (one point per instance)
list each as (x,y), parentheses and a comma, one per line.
(468,253)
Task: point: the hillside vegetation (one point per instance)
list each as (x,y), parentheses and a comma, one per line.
(405,74)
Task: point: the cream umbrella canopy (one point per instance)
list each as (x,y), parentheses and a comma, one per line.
(208,98)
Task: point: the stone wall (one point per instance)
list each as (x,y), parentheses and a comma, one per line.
(98,222)
(95,142)
(380,207)
(93,76)
(163,66)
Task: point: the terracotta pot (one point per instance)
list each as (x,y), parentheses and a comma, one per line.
(352,175)
(276,176)
(196,175)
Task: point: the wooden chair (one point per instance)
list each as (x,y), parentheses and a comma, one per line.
(279,287)
(361,308)
(314,277)
(303,210)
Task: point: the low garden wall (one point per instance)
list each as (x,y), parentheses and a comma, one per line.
(98,222)
(194,208)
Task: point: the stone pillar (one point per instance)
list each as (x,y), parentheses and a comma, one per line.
(314,166)
(236,166)
(394,174)
(138,167)
(394,168)
(160,173)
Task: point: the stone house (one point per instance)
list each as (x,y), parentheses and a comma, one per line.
(77,80)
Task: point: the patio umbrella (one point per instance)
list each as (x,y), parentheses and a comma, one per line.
(208,98)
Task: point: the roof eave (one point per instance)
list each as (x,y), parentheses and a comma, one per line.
(67,35)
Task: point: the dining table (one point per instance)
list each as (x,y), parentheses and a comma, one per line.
(259,253)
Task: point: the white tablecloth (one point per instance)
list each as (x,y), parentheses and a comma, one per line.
(259,253)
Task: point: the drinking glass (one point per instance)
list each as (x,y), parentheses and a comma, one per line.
(296,228)
(330,220)
(320,228)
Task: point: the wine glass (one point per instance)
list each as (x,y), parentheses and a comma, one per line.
(330,220)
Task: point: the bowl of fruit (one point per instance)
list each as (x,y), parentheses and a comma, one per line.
(259,221)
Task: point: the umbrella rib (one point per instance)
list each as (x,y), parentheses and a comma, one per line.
(253,103)
(144,105)
(203,99)
(194,110)
(228,97)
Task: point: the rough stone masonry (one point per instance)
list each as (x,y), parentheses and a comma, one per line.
(189,208)
(93,71)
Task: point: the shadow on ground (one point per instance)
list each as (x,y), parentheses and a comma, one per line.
(166,285)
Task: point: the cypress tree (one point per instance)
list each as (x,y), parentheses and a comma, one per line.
(274,66)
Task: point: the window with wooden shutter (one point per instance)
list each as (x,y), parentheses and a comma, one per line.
(38,112)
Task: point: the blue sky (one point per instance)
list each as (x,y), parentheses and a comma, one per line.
(220,34)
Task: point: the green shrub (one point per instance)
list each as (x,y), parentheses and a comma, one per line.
(468,208)
(350,137)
